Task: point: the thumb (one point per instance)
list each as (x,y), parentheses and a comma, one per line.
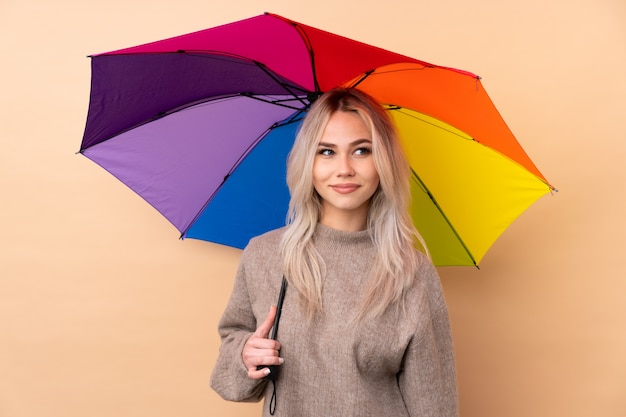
(264,329)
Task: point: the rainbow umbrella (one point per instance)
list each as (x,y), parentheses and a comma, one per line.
(200,125)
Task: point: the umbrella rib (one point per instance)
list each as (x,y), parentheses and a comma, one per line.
(292,119)
(167,112)
(309,47)
(363,77)
(289,88)
(282,84)
(263,67)
(443,215)
(228,174)
(277,102)
(469,138)
(414,116)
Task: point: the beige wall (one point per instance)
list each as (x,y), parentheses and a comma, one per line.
(104,312)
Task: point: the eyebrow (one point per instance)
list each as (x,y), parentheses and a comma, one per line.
(355,143)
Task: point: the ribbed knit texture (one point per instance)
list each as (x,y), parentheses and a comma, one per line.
(399,364)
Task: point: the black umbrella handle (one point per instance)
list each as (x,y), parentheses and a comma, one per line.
(279,308)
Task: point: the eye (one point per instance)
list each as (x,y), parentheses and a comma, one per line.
(362,151)
(325,152)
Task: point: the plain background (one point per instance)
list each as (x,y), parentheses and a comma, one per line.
(105,312)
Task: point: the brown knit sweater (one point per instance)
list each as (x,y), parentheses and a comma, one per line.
(399,364)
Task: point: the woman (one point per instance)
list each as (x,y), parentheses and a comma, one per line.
(364,329)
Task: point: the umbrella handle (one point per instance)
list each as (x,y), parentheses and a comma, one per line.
(279,308)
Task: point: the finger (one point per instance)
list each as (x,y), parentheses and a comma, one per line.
(256,343)
(254,361)
(255,358)
(264,329)
(261,370)
(258,374)
(257,348)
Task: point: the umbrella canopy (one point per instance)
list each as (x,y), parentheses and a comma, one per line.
(200,126)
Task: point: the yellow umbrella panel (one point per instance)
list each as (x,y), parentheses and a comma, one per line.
(465,194)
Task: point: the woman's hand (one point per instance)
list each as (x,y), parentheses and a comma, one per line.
(259,350)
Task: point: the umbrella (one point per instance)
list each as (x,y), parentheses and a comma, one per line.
(200,126)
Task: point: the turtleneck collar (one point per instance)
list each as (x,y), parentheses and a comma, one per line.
(339,237)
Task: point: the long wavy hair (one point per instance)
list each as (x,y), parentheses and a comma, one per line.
(389,224)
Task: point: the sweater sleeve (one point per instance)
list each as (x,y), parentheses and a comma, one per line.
(230,376)
(428,377)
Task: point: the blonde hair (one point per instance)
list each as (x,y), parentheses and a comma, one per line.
(389,224)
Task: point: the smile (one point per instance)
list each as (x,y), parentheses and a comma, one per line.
(344,188)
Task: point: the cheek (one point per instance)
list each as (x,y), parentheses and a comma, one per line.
(372,174)
(375,176)
(320,171)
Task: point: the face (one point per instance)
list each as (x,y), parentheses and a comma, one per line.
(343,172)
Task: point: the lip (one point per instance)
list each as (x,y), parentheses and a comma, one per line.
(344,188)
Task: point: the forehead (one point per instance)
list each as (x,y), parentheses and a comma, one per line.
(345,126)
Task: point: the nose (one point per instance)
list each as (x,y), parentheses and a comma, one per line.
(345,168)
